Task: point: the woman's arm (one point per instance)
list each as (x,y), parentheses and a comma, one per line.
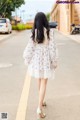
(53,50)
(28,51)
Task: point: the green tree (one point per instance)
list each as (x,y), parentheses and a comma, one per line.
(7,6)
(48,16)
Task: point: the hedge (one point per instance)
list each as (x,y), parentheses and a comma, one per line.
(21,27)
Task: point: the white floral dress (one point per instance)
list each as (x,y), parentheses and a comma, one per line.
(40,57)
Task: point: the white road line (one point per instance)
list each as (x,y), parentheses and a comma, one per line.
(21,112)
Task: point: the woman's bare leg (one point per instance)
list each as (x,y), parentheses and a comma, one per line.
(39,84)
(42,92)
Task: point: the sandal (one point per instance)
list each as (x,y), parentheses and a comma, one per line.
(40,114)
(44,104)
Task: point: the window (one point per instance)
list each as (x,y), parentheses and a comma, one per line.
(2,20)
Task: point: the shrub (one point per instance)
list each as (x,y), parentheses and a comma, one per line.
(21,26)
(14,27)
(28,26)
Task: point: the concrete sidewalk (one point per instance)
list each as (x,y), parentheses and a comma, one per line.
(76,37)
(63,93)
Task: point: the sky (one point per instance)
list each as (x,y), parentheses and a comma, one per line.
(31,7)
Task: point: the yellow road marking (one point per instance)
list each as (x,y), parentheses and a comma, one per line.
(21,112)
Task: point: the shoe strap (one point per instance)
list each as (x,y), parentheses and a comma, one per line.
(38,110)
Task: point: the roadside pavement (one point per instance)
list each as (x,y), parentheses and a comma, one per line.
(76,37)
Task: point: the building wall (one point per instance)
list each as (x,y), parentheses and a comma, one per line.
(65,15)
(55,15)
(75,13)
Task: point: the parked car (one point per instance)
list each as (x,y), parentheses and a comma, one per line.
(5,25)
(53,24)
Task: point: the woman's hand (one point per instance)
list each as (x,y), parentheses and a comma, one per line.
(54,64)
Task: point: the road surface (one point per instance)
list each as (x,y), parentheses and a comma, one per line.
(63,93)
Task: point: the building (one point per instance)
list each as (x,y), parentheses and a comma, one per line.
(66,14)
(15,19)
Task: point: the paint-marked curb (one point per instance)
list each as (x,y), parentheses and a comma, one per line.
(21,112)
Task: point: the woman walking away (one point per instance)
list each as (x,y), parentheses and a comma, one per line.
(40,56)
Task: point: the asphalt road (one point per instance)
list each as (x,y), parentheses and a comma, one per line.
(12,72)
(4,36)
(63,93)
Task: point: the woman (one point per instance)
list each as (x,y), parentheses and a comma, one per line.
(40,56)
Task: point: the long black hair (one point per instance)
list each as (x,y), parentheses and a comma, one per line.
(40,22)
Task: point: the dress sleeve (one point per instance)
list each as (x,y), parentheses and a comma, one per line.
(53,50)
(28,51)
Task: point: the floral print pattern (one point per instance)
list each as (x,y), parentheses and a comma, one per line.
(40,57)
